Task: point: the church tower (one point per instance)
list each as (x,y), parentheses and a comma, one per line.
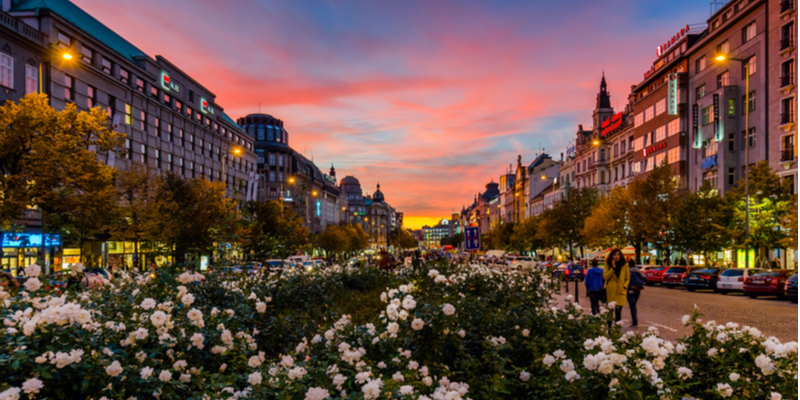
(602,110)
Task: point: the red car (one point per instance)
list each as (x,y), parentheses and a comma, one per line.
(674,276)
(767,283)
(654,275)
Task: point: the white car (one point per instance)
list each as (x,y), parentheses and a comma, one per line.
(732,280)
(522,263)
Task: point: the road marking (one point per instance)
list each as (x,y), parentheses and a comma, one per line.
(663,326)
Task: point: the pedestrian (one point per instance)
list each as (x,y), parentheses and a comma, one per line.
(594,286)
(634,291)
(776,263)
(617,276)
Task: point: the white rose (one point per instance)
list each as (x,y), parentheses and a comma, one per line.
(684,373)
(165,376)
(33,271)
(158,318)
(254,362)
(775,396)
(114,369)
(548,360)
(392,327)
(146,373)
(571,376)
(448,309)
(526,332)
(187,299)
(33,284)
(417,324)
(734,377)
(31,386)
(524,376)
(261,307)
(254,378)
(148,304)
(724,389)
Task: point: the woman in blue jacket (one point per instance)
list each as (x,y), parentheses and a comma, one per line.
(594,286)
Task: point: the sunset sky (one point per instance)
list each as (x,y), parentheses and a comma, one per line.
(433,99)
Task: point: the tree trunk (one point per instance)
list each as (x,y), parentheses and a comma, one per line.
(638,248)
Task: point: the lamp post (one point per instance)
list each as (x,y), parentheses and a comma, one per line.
(236,151)
(745,64)
(597,143)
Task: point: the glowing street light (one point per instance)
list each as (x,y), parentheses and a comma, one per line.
(66,56)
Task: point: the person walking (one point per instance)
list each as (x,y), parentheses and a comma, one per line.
(617,276)
(634,291)
(594,286)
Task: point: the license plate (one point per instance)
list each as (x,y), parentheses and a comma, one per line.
(649,274)
(759,282)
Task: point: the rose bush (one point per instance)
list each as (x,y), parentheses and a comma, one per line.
(441,332)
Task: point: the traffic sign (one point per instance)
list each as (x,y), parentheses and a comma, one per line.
(472,237)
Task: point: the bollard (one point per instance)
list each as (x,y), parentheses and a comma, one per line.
(576,290)
(566,283)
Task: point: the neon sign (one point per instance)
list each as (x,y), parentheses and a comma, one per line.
(30,240)
(653,148)
(610,124)
(205,107)
(167,83)
(660,49)
(672,94)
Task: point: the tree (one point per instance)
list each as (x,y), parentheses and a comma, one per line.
(187,213)
(524,236)
(700,222)
(357,239)
(135,190)
(653,203)
(333,240)
(573,212)
(498,237)
(403,239)
(606,226)
(47,155)
(273,230)
(790,225)
(771,201)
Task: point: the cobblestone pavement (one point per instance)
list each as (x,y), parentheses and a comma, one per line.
(664,308)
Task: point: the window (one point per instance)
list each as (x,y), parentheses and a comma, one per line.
(700,64)
(710,177)
(260,133)
(158,126)
(107,65)
(87,54)
(180,136)
(648,114)
(178,106)
(112,107)
(787,147)
(69,88)
(723,79)
(731,176)
(749,66)
(748,32)
(787,73)
(124,75)
(31,79)
(64,41)
(622,147)
(169,162)
(661,106)
(708,115)
(198,117)
(91,100)
(700,92)
(140,85)
(188,112)
(787,111)
(128,151)
(280,160)
(724,48)
(272,159)
(128,112)
(749,139)
(144,153)
(638,119)
(157,157)
(143,118)
(709,148)
(272,176)
(673,127)
(661,133)
(674,155)
(6,70)
(167,99)
(732,142)
(153,92)
(749,101)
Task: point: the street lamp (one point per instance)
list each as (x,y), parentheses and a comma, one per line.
(722,58)
(597,143)
(236,151)
(66,56)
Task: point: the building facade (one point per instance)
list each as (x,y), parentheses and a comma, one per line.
(782,88)
(171,121)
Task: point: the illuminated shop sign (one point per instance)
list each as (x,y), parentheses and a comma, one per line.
(30,240)
(167,83)
(653,148)
(672,94)
(610,124)
(205,106)
(661,49)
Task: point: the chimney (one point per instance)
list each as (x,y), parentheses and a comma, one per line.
(6,5)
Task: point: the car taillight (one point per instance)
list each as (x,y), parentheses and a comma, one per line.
(683,276)
(566,272)
(773,281)
(741,279)
(706,277)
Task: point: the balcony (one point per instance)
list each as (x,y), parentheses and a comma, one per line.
(20,27)
(787,155)
(786,5)
(787,44)
(787,118)
(787,79)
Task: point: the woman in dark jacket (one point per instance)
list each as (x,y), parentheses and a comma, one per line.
(635,290)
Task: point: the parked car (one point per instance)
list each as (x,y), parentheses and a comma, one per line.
(702,279)
(102,272)
(674,276)
(732,280)
(522,263)
(791,288)
(570,272)
(767,283)
(654,275)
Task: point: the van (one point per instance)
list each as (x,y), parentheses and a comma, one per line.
(495,253)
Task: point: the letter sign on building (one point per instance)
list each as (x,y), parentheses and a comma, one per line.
(672,94)
(205,107)
(167,83)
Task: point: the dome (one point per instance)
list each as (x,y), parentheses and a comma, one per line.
(378,195)
(349,180)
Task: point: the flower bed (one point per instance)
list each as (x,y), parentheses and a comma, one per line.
(445,332)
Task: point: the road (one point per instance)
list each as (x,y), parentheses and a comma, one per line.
(664,308)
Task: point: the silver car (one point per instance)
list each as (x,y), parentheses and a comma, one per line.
(732,280)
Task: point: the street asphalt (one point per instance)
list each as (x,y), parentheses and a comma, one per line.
(664,308)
